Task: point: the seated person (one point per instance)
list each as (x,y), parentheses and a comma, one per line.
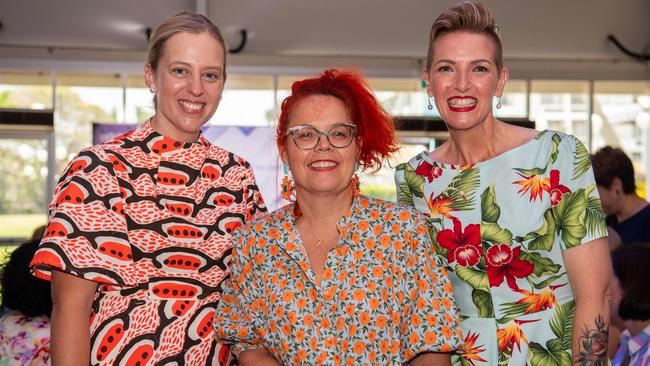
(628,213)
(336,277)
(631,304)
(25,324)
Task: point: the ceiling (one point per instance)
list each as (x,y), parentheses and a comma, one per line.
(308,30)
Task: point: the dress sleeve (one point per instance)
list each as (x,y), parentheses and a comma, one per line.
(579,210)
(401,186)
(86,235)
(237,318)
(429,319)
(254,200)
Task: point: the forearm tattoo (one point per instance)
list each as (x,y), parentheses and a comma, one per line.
(592,345)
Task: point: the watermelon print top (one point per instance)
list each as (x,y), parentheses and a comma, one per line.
(150,220)
(501,225)
(383,297)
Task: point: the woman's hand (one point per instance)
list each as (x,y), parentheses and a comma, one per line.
(258,357)
(72,298)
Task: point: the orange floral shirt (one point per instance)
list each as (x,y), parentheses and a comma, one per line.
(383,298)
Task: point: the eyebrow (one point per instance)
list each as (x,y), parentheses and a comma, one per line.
(219,68)
(481,60)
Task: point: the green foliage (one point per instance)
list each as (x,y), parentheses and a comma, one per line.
(562,323)
(475,278)
(553,356)
(594,218)
(543,265)
(493,233)
(490,210)
(462,188)
(570,214)
(555,140)
(412,184)
(543,238)
(483,301)
(581,162)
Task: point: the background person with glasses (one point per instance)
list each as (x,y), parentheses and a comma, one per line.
(336,277)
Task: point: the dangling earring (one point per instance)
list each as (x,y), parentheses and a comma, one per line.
(498,102)
(354,183)
(152,90)
(287,186)
(430,106)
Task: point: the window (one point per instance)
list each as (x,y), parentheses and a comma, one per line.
(561,106)
(25,89)
(621,118)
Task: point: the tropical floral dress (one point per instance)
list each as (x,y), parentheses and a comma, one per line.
(383,297)
(502,225)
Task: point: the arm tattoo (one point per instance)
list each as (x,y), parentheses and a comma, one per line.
(592,345)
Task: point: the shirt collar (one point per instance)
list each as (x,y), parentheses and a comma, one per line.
(637,342)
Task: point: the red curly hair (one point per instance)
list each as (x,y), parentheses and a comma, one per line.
(375,131)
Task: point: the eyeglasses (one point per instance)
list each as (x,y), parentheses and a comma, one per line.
(307,137)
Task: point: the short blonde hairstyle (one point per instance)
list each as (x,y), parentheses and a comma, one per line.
(467,16)
(181,22)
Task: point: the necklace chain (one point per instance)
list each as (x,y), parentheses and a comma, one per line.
(319,243)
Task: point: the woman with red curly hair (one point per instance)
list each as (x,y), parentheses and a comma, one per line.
(336,276)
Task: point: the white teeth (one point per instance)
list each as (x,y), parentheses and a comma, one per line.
(322,164)
(462,102)
(191,106)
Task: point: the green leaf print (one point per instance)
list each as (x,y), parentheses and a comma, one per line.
(570,214)
(555,143)
(594,217)
(532,171)
(546,282)
(543,265)
(581,162)
(433,233)
(562,323)
(483,301)
(553,356)
(490,211)
(475,278)
(544,237)
(461,189)
(493,233)
(404,194)
(414,181)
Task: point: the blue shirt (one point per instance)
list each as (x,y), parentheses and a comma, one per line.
(635,229)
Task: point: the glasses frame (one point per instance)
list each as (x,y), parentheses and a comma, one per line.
(291,131)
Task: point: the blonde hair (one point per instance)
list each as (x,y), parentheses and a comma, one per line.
(181,22)
(466,16)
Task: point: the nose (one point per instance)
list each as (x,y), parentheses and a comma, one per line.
(323,144)
(461,82)
(196,85)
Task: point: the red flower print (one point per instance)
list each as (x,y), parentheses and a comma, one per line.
(464,246)
(429,171)
(557,190)
(499,255)
(504,263)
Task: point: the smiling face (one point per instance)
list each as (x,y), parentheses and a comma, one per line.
(189,82)
(463,79)
(323,169)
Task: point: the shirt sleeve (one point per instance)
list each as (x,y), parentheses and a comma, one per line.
(403,190)
(237,319)
(254,200)
(578,210)
(429,319)
(86,235)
